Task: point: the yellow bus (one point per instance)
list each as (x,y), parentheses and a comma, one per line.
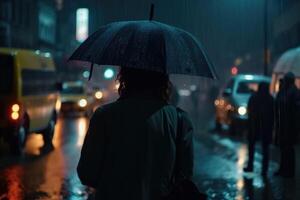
(29,97)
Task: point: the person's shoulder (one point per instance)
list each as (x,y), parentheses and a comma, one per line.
(253,97)
(184,116)
(106,108)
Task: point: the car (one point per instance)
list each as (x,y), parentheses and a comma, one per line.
(231,104)
(29,93)
(75,99)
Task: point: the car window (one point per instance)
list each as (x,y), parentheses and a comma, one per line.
(72,90)
(247,87)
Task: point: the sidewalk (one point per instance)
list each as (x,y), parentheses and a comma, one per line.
(225,140)
(219,163)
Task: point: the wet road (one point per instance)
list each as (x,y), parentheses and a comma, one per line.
(218,169)
(50,176)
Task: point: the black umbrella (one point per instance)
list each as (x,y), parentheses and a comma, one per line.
(148,45)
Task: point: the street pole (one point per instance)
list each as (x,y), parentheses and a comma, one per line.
(266,49)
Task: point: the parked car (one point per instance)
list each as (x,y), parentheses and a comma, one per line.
(29,96)
(231,104)
(75,99)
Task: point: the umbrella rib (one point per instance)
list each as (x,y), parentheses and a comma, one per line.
(164,48)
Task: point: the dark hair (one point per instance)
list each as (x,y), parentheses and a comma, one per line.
(263,88)
(134,81)
(289,79)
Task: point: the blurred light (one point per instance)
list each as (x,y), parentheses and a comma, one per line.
(222,102)
(217,102)
(242,110)
(248,77)
(82,24)
(58,105)
(193,87)
(277,86)
(82,128)
(82,103)
(228,107)
(109,73)
(238,61)
(86,74)
(98,95)
(240,184)
(184,92)
(117,86)
(47,54)
(15,115)
(15,108)
(65,86)
(258,183)
(242,155)
(234,70)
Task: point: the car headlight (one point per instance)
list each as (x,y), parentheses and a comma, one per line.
(98,95)
(217,102)
(242,110)
(82,103)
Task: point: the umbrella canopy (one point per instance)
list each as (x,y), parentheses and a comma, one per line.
(289,62)
(148,45)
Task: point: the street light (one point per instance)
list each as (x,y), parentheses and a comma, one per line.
(109,73)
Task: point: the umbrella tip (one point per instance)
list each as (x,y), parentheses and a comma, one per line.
(151,12)
(91,71)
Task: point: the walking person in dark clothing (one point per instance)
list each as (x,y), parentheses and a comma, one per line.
(286,124)
(261,122)
(132,144)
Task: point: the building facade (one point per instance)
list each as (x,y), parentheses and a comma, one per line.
(28,24)
(286,26)
(47,25)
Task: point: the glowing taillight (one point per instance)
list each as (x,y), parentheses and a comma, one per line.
(15,108)
(14,115)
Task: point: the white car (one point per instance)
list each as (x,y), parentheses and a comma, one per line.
(231,104)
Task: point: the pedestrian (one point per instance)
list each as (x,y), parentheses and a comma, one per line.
(286,124)
(131,144)
(260,125)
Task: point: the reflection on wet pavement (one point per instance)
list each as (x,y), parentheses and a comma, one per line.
(219,173)
(219,163)
(50,176)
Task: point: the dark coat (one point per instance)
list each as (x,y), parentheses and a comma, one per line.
(130,148)
(286,116)
(261,117)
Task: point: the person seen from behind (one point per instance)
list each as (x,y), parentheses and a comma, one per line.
(286,124)
(260,125)
(132,144)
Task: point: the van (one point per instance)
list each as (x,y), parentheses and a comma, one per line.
(29,96)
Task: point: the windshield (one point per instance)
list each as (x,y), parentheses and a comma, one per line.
(6,80)
(72,90)
(247,87)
